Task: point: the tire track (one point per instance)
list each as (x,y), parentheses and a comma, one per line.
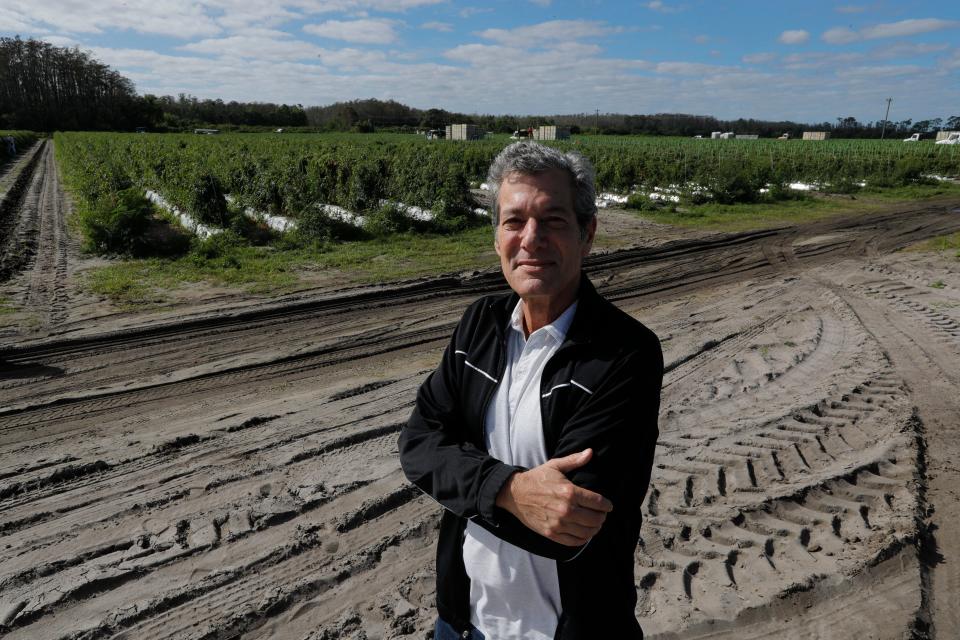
(46,282)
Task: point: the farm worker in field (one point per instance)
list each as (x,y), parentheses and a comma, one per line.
(536,432)
(10,143)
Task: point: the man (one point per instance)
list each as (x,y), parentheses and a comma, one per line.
(536,433)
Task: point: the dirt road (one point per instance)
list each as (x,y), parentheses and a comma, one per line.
(235,475)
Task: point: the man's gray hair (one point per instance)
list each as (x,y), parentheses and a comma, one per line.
(530,158)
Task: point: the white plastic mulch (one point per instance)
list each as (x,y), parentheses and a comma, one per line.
(283,223)
(424,215)
(186,220)
(410,211)
(277,223)
(341,214)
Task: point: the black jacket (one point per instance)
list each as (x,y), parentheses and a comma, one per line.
(601,389)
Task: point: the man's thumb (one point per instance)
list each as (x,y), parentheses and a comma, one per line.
(572,461)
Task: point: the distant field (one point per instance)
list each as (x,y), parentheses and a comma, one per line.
(287,173)
(252,210)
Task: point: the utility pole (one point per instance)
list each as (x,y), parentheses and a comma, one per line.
(598,122)
(887,115)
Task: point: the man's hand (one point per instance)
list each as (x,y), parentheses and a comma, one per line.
(545,501)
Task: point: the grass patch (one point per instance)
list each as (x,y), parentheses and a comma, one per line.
(949,242)
(6,306)
(744,217)
(911,192)
(938,284)
(285,266)
(410,255)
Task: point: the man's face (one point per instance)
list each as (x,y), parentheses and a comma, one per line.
(538,240)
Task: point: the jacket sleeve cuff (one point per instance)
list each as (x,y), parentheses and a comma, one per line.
(487,501)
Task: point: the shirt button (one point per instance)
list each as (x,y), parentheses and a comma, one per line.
(465,635)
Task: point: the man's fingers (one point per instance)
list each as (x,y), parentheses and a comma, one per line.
(568,540)
(578,531)
(571,462)
(591,500)
(587,518)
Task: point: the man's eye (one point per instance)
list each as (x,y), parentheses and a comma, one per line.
(557,223)
(512,225)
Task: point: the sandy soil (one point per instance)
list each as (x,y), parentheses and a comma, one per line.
(232,472)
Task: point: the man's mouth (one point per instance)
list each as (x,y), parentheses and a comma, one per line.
(534,263)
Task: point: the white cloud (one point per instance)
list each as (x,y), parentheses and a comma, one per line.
(350,59)
(908,28)
(174,18)
(62,41)
(437,26)
(952,61)
(542,3)
(368,31)
(840,35)
(901,29)
(908,49)
(15,22)
(794,36)
(884,71)
(821,61)
(469,12)
(554,31)
(239,14)
(255,46)
(342,6)
(183,19)
(689,68)
(661,6)
(759,58)
(494,55)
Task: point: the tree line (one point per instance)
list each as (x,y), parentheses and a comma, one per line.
(43,87)
(370,115)
(46,88)
(185,112)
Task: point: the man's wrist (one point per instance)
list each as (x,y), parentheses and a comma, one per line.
(490,491)
(505,495)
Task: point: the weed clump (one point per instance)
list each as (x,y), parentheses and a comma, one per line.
(122,223)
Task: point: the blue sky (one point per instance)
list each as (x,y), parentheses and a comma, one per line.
(807,61)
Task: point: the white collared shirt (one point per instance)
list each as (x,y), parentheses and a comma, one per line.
(515,594)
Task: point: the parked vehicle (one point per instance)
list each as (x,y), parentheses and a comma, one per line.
(953,138)
(913,138)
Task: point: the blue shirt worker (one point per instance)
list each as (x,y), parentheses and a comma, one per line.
(537,431)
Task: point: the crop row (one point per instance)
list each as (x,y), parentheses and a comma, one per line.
(290,174)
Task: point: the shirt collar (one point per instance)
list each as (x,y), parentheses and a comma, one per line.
(556,329)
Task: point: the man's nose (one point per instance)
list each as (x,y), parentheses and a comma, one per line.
(532,233)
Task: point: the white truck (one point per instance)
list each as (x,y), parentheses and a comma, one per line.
(953,138)
(913,138)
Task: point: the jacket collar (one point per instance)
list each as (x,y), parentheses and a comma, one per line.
(582,328)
